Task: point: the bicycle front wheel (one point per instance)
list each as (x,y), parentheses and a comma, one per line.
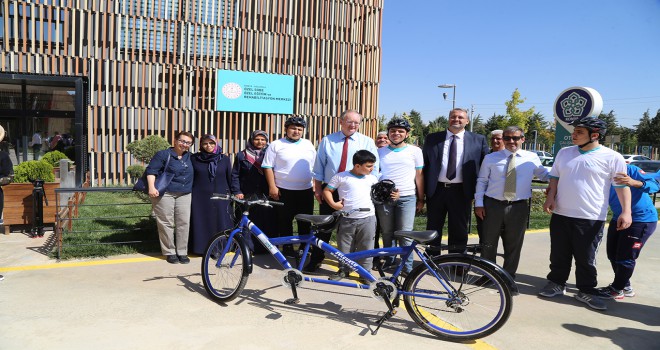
(463,299)
(224,277)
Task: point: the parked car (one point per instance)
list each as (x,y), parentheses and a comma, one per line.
(544,155)
(651,167)
(634,157)
(547,163)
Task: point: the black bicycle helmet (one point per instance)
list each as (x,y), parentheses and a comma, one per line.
(593,125)
(295,121)
(381,192)
(398,122)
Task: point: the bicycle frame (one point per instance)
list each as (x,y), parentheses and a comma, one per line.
(349,260)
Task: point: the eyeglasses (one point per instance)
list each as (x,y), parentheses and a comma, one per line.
(509,138)
(352,123)
(496,138)
(187,143)
(208,143)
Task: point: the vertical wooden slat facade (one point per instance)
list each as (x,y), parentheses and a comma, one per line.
(151,64)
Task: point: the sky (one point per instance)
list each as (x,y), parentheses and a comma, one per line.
(489,48)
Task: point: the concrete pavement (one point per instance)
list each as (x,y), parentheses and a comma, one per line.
(142,302)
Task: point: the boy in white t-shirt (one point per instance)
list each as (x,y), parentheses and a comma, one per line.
(357,231)
(578,194)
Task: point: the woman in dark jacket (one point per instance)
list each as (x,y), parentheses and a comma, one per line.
(212,175)
(249,181)
(172,208)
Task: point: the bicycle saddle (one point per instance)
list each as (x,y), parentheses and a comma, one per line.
(419,236)
(316,220)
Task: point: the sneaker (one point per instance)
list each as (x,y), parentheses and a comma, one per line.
(552,289)
(172,259)
(184,259)
(609,292)
(338,275)
(2,277)
(628,292)
(593,301)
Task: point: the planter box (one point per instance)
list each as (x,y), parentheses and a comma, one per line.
(18,204)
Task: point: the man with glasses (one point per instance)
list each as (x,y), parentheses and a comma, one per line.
(334,155)
(504,187)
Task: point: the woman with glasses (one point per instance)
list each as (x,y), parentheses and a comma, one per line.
(172,208)
(249,181)
(212,175)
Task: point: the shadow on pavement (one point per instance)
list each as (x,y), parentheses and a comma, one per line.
(625,338)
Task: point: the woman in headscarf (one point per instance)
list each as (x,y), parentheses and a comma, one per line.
(212,175)
(249,181)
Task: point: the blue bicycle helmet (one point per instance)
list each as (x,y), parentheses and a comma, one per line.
(398,122)
(594,125)
(295,121)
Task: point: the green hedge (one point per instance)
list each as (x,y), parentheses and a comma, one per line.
(54,157)
(34,170)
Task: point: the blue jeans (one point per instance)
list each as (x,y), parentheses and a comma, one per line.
(399,216)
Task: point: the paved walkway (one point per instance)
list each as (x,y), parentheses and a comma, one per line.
(141,302)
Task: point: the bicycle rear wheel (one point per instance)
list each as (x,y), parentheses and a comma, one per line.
(224,277)
(473,302)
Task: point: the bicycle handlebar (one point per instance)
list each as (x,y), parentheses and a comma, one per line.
(227,197)
(347,213)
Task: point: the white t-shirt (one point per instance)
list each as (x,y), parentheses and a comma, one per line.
(584,181)
(400,165)
(355,191)
(292,163)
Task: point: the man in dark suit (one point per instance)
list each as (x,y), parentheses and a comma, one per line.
(452,159)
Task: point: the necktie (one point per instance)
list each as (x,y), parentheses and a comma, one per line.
(510,181)
(451,163)
(344,155)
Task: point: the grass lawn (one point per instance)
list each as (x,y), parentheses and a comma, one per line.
(113,223)
(107,218)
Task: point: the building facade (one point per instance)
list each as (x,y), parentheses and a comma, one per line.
(150,67)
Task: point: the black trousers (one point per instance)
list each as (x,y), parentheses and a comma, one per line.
(324,209)
(573,238)
(449,202)
(295,202)
(624,247)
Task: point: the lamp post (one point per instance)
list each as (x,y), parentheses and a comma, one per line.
(444,94)
(536,133)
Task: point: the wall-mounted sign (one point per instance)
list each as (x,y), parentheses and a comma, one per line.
(254,92)
(573,104)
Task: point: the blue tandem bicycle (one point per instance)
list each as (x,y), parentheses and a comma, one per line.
(453,296)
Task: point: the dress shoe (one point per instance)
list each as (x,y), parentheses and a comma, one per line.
(172,259)
(184,259)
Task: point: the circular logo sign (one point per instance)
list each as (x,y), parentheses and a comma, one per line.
(576,103)
(232,91)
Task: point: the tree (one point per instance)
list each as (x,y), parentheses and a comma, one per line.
(495,122)
(418,132)
(516,116)
(648,130)
(438,124)
(545,135)
(478,126)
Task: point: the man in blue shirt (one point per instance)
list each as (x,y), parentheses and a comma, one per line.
(624,247)
(334,155)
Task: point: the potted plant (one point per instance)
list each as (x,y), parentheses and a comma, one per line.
(18,209)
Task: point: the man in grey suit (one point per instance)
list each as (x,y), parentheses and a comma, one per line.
(452,159)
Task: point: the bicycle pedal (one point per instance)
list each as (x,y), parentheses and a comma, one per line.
(292,301)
